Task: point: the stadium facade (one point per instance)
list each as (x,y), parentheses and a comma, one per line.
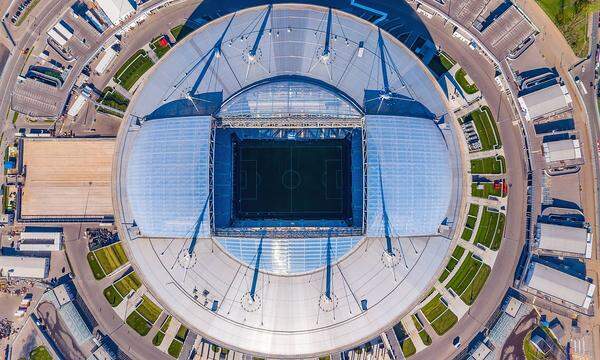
(287,181)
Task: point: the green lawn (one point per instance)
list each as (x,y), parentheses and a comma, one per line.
(458,252)
(489,165)
(473,290)
(461,79)
(408,348)
(159,50)
(165,324)
(128,283)
(425,337)
(114,99)
(473,209)
(40,353)
(158,338)
(138,323)
(434,308)
(133,69)
(181,31)
(443,323)
(95,266)
(485,124)
(112,296)
(417,322)
(471,221)
(466,234)
(111,257)
(491,229)
(149,309)
(487,189)
(570,16)
(175,348)
(486,128)
(441,63)
(181,333)
(456,255)
(465,274)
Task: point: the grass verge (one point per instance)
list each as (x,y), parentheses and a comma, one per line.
(465,274)
(461,79)
(444,322)
(175,348)
(408,348)
(149,309)
(489,165)
(114,99)
(111,257)
(491,229)
(474,288)
(138,323)
(433,309)
(133,69)
(128,283)
(158,338)
(112,296)
(95,266)
(26,13)
(486,189)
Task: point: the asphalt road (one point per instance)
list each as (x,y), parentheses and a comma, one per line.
(501,277)
(91,292)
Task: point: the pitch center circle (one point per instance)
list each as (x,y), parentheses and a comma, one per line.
(291,179)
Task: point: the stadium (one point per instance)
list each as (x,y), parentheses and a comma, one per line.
(287,181)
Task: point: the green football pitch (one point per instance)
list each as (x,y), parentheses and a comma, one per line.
(292,180)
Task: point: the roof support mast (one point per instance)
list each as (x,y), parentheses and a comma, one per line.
(384,75)
(261,31)
(328,271)
(256,268)
(326,50)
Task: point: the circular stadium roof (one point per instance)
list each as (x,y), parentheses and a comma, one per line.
(268,64)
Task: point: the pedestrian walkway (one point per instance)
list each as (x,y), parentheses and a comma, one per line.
(485,154)
(413,333)
(129,301)
(488,256)
(455,304)
(493,203)
(169,335)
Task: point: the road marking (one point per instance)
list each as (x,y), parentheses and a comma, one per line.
(382,15)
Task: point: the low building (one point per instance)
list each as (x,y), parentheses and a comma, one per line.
(65,30)
(56,36)
(69,312)
(24,267)
(67,179)
(564,240)
(481,352)
(546,101)
(116,10)
(560,285)
(562,150)
(77,105)
(107,58)
(40,241)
